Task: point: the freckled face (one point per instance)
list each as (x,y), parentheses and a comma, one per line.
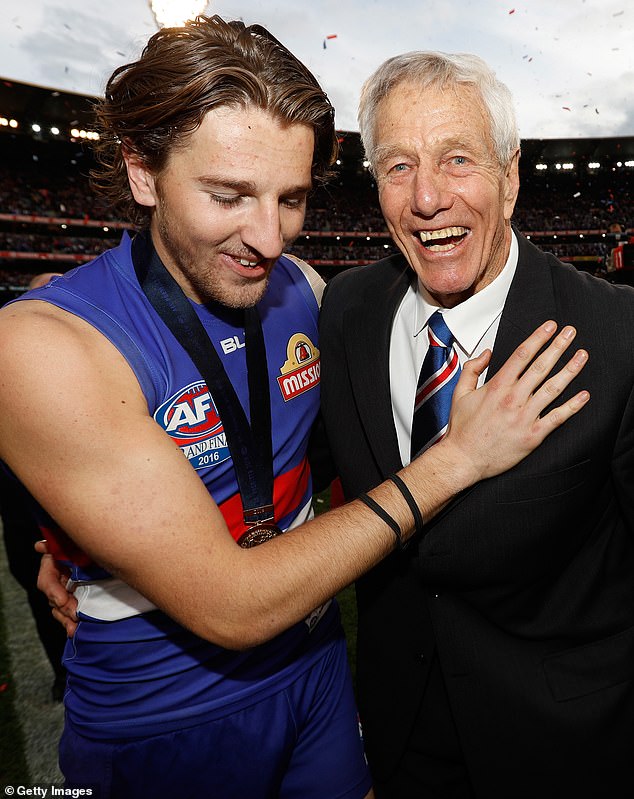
(229,202)
(446,199)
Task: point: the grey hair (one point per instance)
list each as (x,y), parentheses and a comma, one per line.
(428,69)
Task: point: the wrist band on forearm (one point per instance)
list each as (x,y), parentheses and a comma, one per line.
(407,496)
(383,514)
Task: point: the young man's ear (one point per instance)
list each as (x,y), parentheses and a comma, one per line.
(141,180)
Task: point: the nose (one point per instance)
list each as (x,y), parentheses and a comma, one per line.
(262,230)
(431,192)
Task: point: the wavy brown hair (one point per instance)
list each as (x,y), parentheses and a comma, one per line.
(153,104)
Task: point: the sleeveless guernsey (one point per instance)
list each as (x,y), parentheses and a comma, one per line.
(132,670)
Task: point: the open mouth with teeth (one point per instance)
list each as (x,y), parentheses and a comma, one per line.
(443,239)
(247,263)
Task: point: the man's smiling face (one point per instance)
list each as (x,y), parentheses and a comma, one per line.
(446,198)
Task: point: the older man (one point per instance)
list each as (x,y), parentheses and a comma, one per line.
(496,655)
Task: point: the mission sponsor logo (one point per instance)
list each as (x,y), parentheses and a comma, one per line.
(191,420)
(301,369)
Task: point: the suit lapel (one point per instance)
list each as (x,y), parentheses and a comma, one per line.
(529,303)
(368,327)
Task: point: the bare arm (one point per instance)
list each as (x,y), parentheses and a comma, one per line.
(82,441)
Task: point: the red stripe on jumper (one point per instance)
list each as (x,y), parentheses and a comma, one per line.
(288,492)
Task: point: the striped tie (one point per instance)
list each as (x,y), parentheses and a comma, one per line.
(438,377)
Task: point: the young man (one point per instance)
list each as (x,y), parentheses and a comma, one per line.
(201,667)
(511,626)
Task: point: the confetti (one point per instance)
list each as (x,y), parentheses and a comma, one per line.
(512,11)
(565,107)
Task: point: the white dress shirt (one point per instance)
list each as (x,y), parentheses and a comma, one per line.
(473,323)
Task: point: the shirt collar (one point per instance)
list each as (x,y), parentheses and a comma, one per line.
(470,320)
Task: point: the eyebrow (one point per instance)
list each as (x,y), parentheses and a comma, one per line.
(385,151)
(247,186)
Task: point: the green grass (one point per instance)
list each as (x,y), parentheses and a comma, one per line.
(13,767)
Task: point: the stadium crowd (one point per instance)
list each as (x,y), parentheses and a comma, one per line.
(566,215)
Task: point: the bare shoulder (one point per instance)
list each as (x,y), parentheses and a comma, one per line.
(37,335)
(53,363)
(69,404)
(41,326)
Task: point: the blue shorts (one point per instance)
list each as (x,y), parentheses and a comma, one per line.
(304,742)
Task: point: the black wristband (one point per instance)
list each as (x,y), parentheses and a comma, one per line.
(383,514)
(407,496)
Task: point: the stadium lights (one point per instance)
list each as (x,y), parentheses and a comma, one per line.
(541,167)
(174,13)
(84,134)
(8,123)
(594,165)
(35,127)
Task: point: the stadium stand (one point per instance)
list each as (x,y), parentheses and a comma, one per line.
(575,201)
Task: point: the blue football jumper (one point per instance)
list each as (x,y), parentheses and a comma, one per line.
(151,709)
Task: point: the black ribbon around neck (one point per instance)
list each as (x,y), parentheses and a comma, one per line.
(250,445)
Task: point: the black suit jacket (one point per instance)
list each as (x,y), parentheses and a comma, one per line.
(524,584)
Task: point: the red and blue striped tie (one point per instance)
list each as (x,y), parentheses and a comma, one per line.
(438,377)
